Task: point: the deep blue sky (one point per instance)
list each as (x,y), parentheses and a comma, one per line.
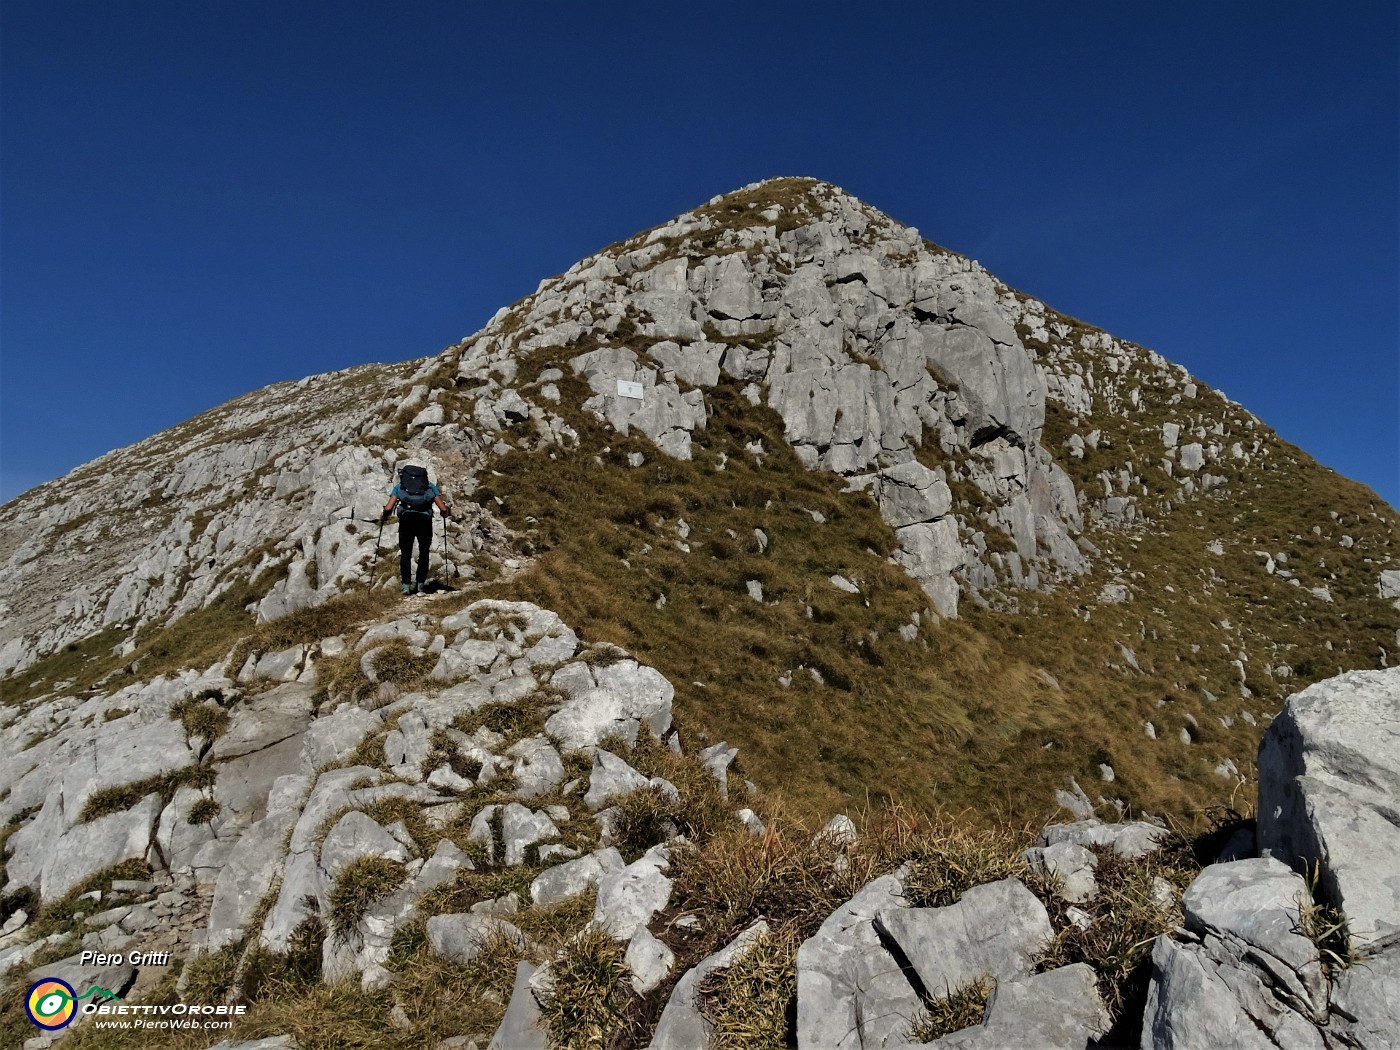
(198,199)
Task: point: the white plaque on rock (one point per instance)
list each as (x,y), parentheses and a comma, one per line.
(629,389)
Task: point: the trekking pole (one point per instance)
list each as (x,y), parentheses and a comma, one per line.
(378,537)
(446,565)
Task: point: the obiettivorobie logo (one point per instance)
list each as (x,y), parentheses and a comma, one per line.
(52,1003)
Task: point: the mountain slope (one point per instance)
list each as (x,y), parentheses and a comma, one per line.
(886,523)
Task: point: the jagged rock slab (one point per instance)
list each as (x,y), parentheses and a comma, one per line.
(520,829)
(363,951)
(1329,793)
(1257,903)
(353,837)
(144,745)
(1239,975)
(1193,1005)
(263,742)
(851,993)
(302,876)
(117,977)
(256,864)
(407,745)
(202,848)
(1366,1003)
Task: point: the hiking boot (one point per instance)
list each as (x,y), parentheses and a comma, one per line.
(417,588)
(407,589)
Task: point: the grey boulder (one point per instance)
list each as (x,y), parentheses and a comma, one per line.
(356,836)
(1256,903)
(538,768)
(521,829)
(1239,975)
(1133,839)
(611,775)
(461,937)
(1329,781)
(649,960)
(626,696)
(573,877)
(1069,862)
(627,899)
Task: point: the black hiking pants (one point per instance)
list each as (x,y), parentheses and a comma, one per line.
(419,528)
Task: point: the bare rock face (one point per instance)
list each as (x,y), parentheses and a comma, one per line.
(1366,1003)
(54,859)
(1329,795)
(521,1028)
(1242,973)
(1242,976)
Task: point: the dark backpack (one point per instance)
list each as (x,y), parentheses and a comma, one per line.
(413,489)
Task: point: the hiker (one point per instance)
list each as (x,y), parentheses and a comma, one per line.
(414,497)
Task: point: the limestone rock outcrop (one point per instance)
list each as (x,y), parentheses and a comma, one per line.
(1244,972)
(1329,795)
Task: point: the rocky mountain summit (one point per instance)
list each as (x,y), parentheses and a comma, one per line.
(778,473)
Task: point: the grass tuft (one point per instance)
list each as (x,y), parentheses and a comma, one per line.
(210,976)
(1325,925)
(360,884)
(960,857)
(513,719)
(204,719)
(279,975)
(205,811)
(1125,918)
(960,1008)
(748,1002)
(122,797)
(589,999)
